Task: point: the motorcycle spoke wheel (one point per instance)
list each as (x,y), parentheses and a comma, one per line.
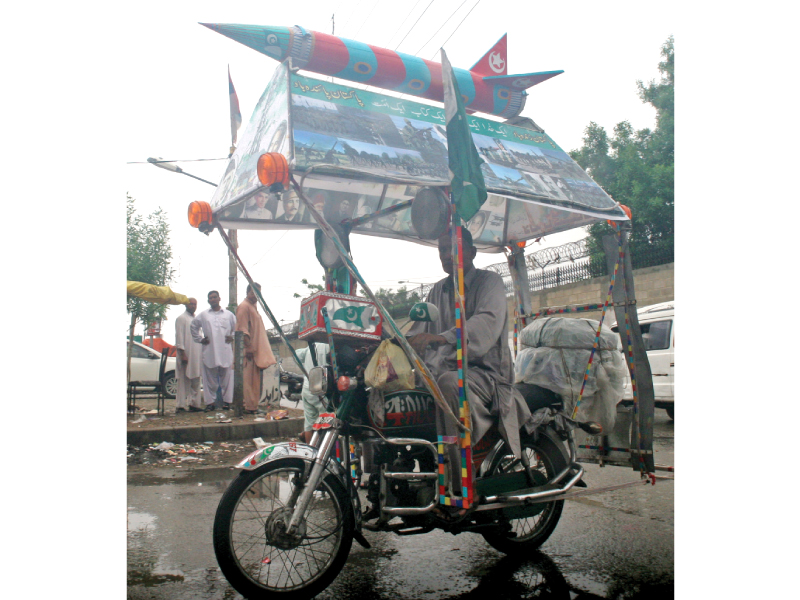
(532,531)
(255,552)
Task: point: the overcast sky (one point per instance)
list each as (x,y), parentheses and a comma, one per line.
(177,99)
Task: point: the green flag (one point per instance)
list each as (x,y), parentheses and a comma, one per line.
(349,314)
(469,189)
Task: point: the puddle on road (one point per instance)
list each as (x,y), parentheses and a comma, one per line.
(138,520)
(214,475)
(143,559)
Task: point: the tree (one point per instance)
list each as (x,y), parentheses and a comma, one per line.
(313,288)
(637,168)
(397,303)
(149,257)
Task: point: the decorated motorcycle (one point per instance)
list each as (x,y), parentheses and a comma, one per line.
(340,160)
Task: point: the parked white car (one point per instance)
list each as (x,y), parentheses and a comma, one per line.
(144,367)
(657,323)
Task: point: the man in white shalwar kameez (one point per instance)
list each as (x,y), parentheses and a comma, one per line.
(188,363)
(217,326)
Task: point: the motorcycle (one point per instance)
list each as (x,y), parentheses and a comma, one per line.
(285,526)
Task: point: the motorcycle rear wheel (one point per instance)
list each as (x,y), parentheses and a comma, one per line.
(254,552)
(529,533)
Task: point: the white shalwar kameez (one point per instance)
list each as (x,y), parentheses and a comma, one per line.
(188,374)
(217,354)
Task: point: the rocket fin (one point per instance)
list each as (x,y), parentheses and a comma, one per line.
(494,62)
(522,81)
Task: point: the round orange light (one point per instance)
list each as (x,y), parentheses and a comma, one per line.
(199,212)
(273,168)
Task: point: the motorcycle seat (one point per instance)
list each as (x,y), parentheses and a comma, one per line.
(538,397)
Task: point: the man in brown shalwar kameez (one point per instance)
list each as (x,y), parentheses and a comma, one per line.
(257,351)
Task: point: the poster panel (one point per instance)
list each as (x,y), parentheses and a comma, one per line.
(535,187)
(267,131)
(355,128)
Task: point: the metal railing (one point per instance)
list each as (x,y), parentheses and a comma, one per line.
(547,268)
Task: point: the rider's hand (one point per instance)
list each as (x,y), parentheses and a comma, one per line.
(205,341)
(228,339)
(422,340)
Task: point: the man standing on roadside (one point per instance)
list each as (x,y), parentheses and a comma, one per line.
(187,366)
(257,351)
(217,326)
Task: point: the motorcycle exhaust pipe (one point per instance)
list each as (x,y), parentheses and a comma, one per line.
(533,496)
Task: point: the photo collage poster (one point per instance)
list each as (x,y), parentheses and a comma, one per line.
(267,131)
(339,125)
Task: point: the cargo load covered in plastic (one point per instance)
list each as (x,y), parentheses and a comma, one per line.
(554,353)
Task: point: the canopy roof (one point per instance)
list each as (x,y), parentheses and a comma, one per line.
(361,152)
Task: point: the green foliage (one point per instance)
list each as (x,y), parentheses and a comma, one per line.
(149,257)
(313,288)
(637,168)
(398,303)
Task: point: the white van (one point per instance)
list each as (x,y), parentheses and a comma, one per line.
(657,323)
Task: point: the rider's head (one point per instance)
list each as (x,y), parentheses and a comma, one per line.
(445,251)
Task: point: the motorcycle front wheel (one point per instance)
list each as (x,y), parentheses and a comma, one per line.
(530,532)
(254,550)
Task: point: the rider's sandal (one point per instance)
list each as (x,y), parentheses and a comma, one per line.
(452,514)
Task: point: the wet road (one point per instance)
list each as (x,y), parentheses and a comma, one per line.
(613,545)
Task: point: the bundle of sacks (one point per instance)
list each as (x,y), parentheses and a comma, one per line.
(554,353)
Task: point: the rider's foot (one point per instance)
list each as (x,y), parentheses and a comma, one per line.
(451,514)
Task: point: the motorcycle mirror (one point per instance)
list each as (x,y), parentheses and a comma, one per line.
(318,381)
(430,213)
(424,311)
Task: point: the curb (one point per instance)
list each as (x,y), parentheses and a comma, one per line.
(216,432)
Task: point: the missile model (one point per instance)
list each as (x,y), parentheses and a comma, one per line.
(486,87)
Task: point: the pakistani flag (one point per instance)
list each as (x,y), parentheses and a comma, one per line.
(349,314)
(469,190)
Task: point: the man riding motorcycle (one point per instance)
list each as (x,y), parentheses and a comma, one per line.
(490,392)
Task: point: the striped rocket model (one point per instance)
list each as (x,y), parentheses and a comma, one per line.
(486,87)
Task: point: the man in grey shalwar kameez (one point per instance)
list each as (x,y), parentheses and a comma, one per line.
(490,374)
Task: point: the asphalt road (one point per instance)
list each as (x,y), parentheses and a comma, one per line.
(613,545)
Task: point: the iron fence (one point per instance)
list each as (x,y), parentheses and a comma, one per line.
(572,263)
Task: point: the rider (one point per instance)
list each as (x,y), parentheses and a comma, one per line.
(490,372)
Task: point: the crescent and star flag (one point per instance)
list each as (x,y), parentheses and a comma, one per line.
(236,115)
(467,185)
(349,314)
(424,311)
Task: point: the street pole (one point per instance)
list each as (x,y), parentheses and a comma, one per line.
(238,373)
(232,273)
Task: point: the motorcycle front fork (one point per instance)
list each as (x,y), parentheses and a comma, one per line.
(326,444)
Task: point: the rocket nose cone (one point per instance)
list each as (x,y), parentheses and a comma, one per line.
(272,41)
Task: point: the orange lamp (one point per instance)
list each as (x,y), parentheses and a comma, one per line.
(273,168)
(626,210)
(199,212)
